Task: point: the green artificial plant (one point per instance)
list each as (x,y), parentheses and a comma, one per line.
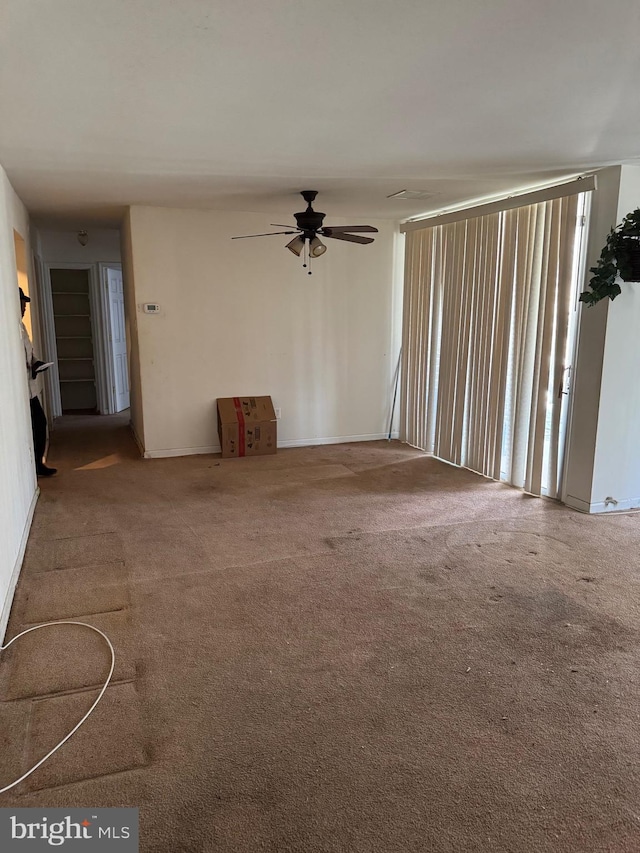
(615,260)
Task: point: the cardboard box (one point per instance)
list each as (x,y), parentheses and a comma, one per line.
(247,426)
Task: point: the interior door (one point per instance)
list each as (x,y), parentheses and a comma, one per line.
(118,340)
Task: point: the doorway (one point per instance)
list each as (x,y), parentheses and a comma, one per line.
(85,335)
(488,337)
(73,322)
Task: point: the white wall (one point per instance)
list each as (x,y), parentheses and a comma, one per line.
(62,247)
(617,457)
(603,458)
(18,488)
(242,317)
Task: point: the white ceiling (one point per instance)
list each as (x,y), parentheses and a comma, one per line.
(239,104)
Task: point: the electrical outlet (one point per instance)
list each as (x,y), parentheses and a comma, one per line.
(278,413)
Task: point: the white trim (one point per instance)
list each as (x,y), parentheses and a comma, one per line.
(52,377)
(108,343)
(580,185)
(338,439)
(180,451)
(8,602)
(602,506)
(98,336)
(301,442)
(582,267)
(576,503)
(38,338)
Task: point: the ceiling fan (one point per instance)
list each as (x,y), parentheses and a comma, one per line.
(309,226)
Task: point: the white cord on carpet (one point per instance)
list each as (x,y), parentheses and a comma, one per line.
(90,711)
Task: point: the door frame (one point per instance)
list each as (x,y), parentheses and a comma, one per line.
(51,385)
(581,276)
(103,266)
(98,328)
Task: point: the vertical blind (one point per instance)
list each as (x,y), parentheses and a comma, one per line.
(486,317)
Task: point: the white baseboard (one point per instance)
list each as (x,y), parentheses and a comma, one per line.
(301,442)
(339,439)
(602,506)
(576,503)
(15,574)
(181,451)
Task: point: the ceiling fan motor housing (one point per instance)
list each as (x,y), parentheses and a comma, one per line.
(309,220)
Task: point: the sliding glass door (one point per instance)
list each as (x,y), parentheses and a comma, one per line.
(489,326)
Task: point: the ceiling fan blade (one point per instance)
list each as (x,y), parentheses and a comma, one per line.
(368,228)
(268,234)
(280,225)
(350,238)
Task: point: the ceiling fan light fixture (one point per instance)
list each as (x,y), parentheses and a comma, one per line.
(316,247)
(296,245)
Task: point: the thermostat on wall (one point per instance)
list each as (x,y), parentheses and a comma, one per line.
(151,308)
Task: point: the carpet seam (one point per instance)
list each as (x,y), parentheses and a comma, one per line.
(72,691)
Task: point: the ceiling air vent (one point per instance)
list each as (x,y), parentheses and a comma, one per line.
(412,195)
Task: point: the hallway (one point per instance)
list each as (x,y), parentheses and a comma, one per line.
(337,648)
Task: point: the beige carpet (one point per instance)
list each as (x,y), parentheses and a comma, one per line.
(342,648)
